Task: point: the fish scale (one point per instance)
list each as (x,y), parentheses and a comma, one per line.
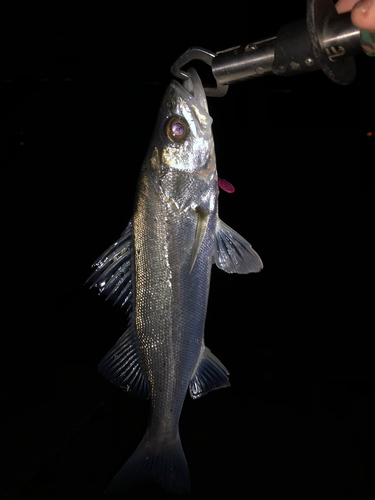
(175,340)
(161,269)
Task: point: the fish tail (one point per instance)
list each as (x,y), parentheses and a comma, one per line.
(162,464)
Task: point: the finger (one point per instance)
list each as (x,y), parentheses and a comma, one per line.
(345,5)
(363,15)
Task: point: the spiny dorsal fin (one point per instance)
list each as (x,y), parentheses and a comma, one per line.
(113,272)
(233,254)
(210,374)
(113,277)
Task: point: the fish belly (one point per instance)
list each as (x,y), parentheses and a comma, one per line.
(170,303)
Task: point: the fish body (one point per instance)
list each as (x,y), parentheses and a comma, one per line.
(161,268)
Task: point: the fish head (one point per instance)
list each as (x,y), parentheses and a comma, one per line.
(183,138)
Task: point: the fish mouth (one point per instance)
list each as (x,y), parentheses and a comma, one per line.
(193,92)
(195,88)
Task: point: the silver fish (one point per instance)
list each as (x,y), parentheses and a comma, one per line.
(160,269)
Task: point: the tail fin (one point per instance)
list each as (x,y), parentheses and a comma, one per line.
(164,465)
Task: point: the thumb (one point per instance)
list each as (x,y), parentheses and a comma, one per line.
(363,15)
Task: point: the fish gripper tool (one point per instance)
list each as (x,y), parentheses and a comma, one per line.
(325,41)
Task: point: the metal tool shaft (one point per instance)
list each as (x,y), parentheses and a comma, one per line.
(324,40)
(290,52)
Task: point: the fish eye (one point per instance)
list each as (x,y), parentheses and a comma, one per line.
(176,129)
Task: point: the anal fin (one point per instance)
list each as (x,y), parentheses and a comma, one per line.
(209,374)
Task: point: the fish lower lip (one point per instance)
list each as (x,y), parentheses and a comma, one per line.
(194,86)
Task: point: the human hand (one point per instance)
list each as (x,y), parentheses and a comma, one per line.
(362,16)
(362,13)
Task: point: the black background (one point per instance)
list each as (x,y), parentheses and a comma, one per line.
(77,115)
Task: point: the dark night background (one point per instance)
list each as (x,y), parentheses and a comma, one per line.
(77,115)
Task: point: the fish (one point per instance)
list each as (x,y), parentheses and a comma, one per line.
(160,270)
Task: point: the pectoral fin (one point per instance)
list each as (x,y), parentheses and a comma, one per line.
(203,216)
(233,254)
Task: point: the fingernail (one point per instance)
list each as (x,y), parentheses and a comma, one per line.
(364,5)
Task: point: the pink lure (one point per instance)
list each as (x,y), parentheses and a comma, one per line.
(225,185)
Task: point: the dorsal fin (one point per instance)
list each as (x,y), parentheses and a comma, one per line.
(113,273)
(122,365)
